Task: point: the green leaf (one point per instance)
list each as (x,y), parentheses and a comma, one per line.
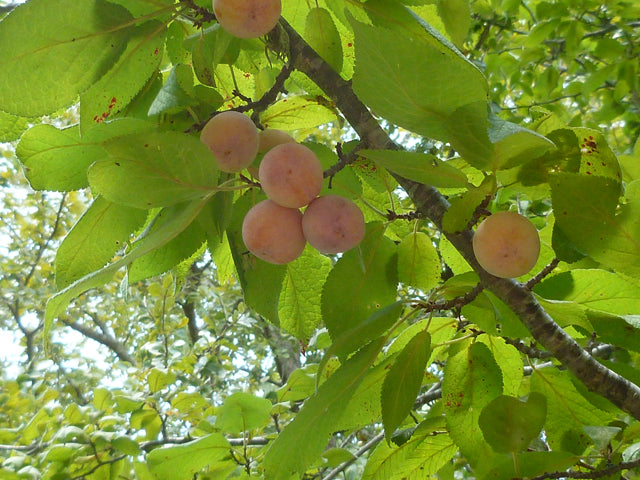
(175,93)
(11,126)
(422,456)
(158,379)
(515,145)
(101,231)
(567,410)
(463,208)
(242,412)
(154,170)
(162,259)
(472,379)
(322,34)
(394,76)
(531,464)
(182,462)
(584,208)
(362,280)
(418,262)
(378,322)
(364,407)
(109,95)
(594,289)
(298,112)
(309,432)
(509,360)
(403,381)
(509,425)
(181,220)
(58,160)
(456,16)
(467,130)
(419,167)
(299,305)
(70,46)
(261,281)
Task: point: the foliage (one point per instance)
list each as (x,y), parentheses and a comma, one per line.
(401,358)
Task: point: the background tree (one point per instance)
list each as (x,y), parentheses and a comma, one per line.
(401,358)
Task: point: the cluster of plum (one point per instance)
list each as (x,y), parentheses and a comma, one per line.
(291,176)
(506,244)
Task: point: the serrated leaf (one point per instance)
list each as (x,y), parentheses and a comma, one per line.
(394,77)
(182,462)
(509,425)
(309,432)
(183,218)
(424,454)
(299,304)
(298,112)
(242,412)
(155,169)
(403,380)
(418,262)
(508,359)
(11,126)
(109,95)
(595,289)
(419,167)
(471,380)
(567,410)
(70,46)
(58,160)
(361,282)
(101,231)
(322,35)
(364,407)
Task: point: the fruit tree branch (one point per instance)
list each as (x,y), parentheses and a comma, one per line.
(429,201)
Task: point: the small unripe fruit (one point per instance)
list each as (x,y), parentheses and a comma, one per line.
(233,139)
(247,18)
(271,137)
(273,233)
(506,245)
(333,224)
(291,175)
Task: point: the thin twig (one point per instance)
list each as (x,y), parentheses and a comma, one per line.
(344,465)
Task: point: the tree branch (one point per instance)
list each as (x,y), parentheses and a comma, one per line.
(605,472)
(428,200)
(106,340)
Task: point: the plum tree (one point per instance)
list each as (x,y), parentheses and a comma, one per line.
(247,18)
(333,224)
(291,175)
(233,139)
(271,137)
(506,244)
(273,233)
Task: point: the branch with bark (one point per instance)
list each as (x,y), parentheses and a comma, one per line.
(428,200)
